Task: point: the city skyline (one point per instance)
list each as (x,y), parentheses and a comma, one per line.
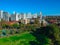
(16,16)
(47,7)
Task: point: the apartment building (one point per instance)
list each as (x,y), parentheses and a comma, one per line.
(1,14)
(4,15)
(14,17)
(34,15)
(23,17)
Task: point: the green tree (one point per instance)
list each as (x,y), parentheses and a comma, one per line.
(4,26)
(15,25)
(52,31)
(56,33)
(48,35)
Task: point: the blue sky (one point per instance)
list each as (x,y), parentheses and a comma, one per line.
(47,7)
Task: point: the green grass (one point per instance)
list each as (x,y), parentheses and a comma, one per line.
(18,39)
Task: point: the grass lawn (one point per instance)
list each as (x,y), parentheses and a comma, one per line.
(18,39)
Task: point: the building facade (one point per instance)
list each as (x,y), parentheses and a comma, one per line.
(14,17)
(1,14)
(6,16)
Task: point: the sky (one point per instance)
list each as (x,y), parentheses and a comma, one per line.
(47,7)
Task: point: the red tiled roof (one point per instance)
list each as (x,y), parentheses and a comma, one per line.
(53,21)
(12,22)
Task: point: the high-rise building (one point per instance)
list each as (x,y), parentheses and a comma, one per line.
(40,17)
(34,15)
(14,17)
(24,17)
(29,15)
(6,16)
(19,16)
(1,14)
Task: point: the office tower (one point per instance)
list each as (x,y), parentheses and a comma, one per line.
(29,15)
(1,14)
(6,16)
(19,16)
(14,17)
(40,17)
(24,16)
(34,15)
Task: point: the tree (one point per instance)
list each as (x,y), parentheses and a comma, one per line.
(56,33)
(4,26)
(15,25)
(48,35)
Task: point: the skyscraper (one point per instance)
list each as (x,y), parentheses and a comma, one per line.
(24,16)
(29,15)
(40,17)
(34,15)
(1,14)
(6,16)
(14,16)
